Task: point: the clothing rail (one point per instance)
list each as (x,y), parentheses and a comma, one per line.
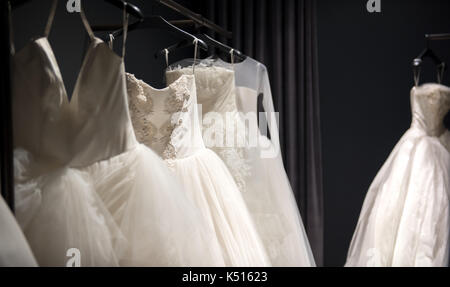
(115,27)
(437,37)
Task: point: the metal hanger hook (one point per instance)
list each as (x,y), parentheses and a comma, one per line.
(417,66)
(166,52)
(195,42)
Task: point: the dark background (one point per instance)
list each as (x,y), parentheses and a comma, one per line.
(365,80)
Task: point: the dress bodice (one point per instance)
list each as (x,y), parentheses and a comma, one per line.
(215,87)
(223,128)
(430,103)
(40,106)
(166,120)
(101,120)
(95,125)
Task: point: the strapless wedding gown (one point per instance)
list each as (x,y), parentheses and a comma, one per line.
(83,180)
(405,218)
(254,162)
(14,249)
(167,121)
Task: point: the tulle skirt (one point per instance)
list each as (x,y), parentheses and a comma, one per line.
(125,211)
(62,217)
(405,218)
(14,250)
(210,185)
(161,225)
(272,204)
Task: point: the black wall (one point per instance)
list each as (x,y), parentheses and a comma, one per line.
(365,81)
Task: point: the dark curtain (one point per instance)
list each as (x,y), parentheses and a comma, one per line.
(7,185)
(282,34)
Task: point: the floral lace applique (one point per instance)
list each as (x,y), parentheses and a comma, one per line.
(141,108)
(177,104)
(235,160)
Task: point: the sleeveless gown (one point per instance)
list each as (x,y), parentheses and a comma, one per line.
(167,121)
(254,162)
(83,180)
(405,218)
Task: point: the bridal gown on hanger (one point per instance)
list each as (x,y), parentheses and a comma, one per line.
(56,209)
(167,121)
(83,180)
(257,164)
(14,249)
(405,218)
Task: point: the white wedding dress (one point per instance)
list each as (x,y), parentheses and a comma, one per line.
(167,121)
(14,249)
(405,218)
(254,161)
(83,180)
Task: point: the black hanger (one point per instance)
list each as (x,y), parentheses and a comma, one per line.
(158,22)
(130,8)
(224,48)
(428,53)
(211,43)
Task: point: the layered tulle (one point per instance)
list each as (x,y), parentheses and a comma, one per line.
(210,185)
(62,217)
(161,225)
(405,218)
(273,207)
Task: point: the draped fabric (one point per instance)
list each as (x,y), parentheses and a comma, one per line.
(283,36)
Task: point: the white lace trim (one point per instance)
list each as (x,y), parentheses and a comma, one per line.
(177,104)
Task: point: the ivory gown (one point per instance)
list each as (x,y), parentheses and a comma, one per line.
(167,121)
(405,218)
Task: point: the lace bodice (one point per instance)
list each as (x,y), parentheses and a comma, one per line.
(223,128)
(430,103)
(166,120)
(215,87)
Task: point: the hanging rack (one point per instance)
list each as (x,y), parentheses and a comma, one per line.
(437,37)
(131,9)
